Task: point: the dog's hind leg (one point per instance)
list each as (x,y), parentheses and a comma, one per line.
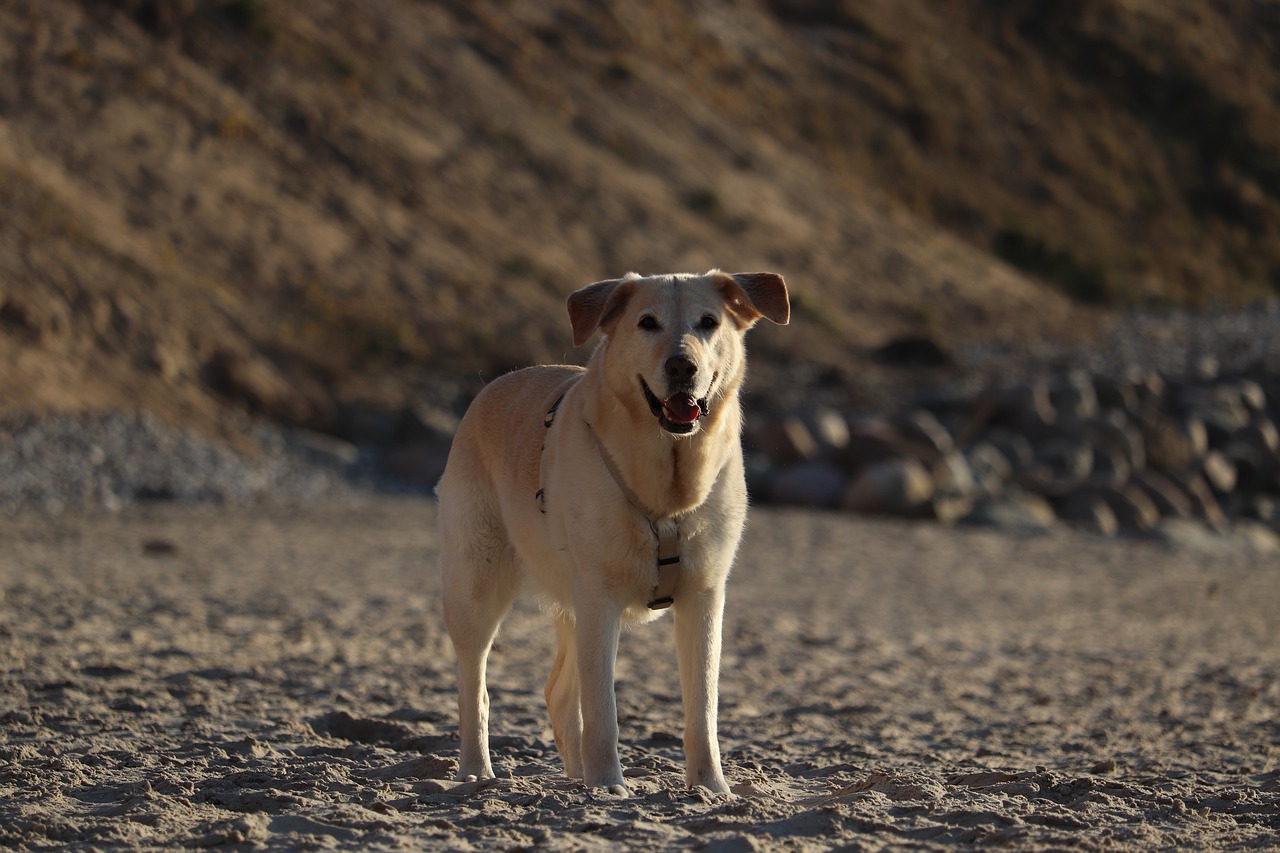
(479,586)
(564,698)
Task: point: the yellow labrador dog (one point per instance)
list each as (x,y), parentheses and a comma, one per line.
(616,490)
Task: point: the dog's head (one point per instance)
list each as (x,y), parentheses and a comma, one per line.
(675,341)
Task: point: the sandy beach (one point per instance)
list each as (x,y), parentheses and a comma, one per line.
(279,677)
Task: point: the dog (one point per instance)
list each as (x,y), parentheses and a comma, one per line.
(617,491)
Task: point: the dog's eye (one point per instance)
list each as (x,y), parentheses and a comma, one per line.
(708,322)
(649,323)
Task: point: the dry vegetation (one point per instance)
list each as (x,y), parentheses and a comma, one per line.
(300,206)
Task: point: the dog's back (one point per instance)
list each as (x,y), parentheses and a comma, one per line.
(490,482)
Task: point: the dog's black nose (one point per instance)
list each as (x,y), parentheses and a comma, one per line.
(680,369)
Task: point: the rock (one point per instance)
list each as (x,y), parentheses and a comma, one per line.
(870,441)
(761,474)
(829,428)
(1073,397)
(1260,435)
(1014,446)
(810,484)
(948,508)
(1257,536)
(1147,384)
(953,476)
(1205,368)
(1113,393)
(1223,413)
(1116,433)
(1258,507)
(1133,509)
(1085,510)
(785,441)
(369,421)
(1027,407)
(1110,466)
(1067,458)
(326,449)
(416,463)
(922,429)
(420,420)
(1252,395)
(1170,445)
(954,488)
(1196,435)
(1219,471)
(1169,499)
(1016,512)
(990,469)
(898,486)
(1203,504)
(1188,534)
(1246,537)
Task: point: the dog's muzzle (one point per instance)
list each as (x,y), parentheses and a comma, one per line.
(678,413)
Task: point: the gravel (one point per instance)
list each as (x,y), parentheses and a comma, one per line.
(111,460)
(1173,343)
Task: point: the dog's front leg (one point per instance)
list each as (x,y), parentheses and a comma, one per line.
(597,626)
(698,618)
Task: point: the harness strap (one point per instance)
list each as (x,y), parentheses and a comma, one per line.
(668,536)
(541,495)
(666,529)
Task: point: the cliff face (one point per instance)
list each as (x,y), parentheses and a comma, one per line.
(289,207)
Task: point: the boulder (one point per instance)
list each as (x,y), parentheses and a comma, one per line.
(1219,471)
(1085,510)
(1171,445)
(1169,499)
(829,428)
(870,441)
(786,440)
(815,484)
(923,430)
(990,469)
(1014,446)
(1016,512)
(1134,510)
(897,486)
(1203,503)
(1068,458)
(1073,397)
(1112,393)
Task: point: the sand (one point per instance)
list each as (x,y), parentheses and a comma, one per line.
(280,677)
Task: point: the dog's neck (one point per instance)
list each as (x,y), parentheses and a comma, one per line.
(671,474)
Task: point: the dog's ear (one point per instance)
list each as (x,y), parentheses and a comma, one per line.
(752,295)
(596,306)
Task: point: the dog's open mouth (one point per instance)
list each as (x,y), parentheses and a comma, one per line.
(678,413)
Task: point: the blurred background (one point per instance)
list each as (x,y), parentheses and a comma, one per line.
(327,214)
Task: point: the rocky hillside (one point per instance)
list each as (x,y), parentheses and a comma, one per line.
(308,209)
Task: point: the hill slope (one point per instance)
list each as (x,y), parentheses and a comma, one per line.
(295,207)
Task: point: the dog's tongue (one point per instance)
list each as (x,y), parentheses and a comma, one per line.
(681,409)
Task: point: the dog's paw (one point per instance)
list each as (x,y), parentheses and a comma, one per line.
(616,789)
(712,780)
